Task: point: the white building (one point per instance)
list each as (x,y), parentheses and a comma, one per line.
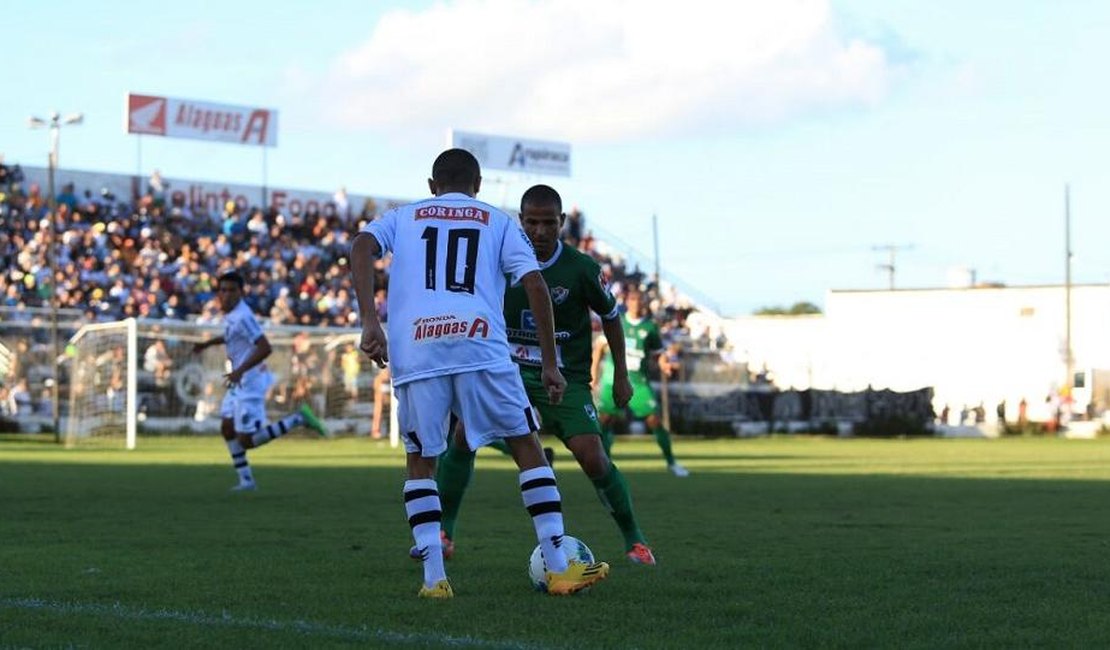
(977,345)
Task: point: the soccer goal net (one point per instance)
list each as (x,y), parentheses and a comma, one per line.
(140,378)
(102,395)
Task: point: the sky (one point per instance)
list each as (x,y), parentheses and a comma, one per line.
(779,145)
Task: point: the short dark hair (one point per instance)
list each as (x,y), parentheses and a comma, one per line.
(231,276)
(456,167)
(542,196)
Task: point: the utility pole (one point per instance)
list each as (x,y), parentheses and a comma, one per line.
(892,252)
(655,243)
(1069,361)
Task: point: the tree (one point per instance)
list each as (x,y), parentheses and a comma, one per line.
(797,309)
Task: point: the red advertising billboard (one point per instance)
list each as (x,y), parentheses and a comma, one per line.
(199,120)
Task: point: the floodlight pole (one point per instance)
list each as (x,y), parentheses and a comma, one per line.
(55,123)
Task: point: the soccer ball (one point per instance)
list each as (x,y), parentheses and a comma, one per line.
(572,547)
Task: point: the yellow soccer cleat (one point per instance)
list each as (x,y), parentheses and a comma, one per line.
(577,577)
(441,590)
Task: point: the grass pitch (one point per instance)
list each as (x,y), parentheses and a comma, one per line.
(779,542)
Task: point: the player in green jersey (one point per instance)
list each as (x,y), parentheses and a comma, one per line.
(577,288)
(642,343)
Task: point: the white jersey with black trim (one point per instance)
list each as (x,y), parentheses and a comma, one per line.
(241,330)
(452,258)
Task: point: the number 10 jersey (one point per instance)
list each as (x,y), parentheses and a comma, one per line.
(452,258)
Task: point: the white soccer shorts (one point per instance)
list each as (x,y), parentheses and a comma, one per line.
(491,403)
(246,403)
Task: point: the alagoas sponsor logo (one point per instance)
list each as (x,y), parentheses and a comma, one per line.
(437,328)
(205,120)
(146,114)
(452,214)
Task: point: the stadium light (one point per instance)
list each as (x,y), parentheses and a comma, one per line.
(55,123)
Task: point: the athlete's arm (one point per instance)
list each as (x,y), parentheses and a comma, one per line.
(595,362)
(539,301)
(614,340)
(364,250)
(198,347)
(262,349)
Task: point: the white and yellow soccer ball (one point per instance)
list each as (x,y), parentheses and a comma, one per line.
(572,547)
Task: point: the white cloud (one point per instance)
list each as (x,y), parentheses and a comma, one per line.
(602,70)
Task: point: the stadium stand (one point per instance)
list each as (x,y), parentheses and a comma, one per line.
(151,259)
(145,258)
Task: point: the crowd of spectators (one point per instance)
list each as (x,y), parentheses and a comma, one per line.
(150,257)
(119,257)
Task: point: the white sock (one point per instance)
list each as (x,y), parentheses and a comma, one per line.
(239,460)
(424,512)
(275,430)
(541,498)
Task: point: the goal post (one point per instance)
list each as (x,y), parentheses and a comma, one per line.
(103,369)
(145,377)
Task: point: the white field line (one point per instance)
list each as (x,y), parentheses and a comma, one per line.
(225,619)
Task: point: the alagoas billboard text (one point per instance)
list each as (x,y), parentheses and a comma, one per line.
(199,120)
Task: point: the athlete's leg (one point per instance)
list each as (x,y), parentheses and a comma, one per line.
(663,438)
(643,405)
(540,493)
(493,404)
(229,407)
(609,483)
(501,446)
(422,414)
(238,454)
(250,414)
(605,421)
(453,474)
(262,435)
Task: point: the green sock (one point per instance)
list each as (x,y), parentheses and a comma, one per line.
(612,489)
(501,446)
(664,440)
(452,477)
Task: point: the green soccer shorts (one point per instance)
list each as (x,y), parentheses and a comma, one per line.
(642,404)
(575,415)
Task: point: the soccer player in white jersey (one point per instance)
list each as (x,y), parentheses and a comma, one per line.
(450,353)
(243,411)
